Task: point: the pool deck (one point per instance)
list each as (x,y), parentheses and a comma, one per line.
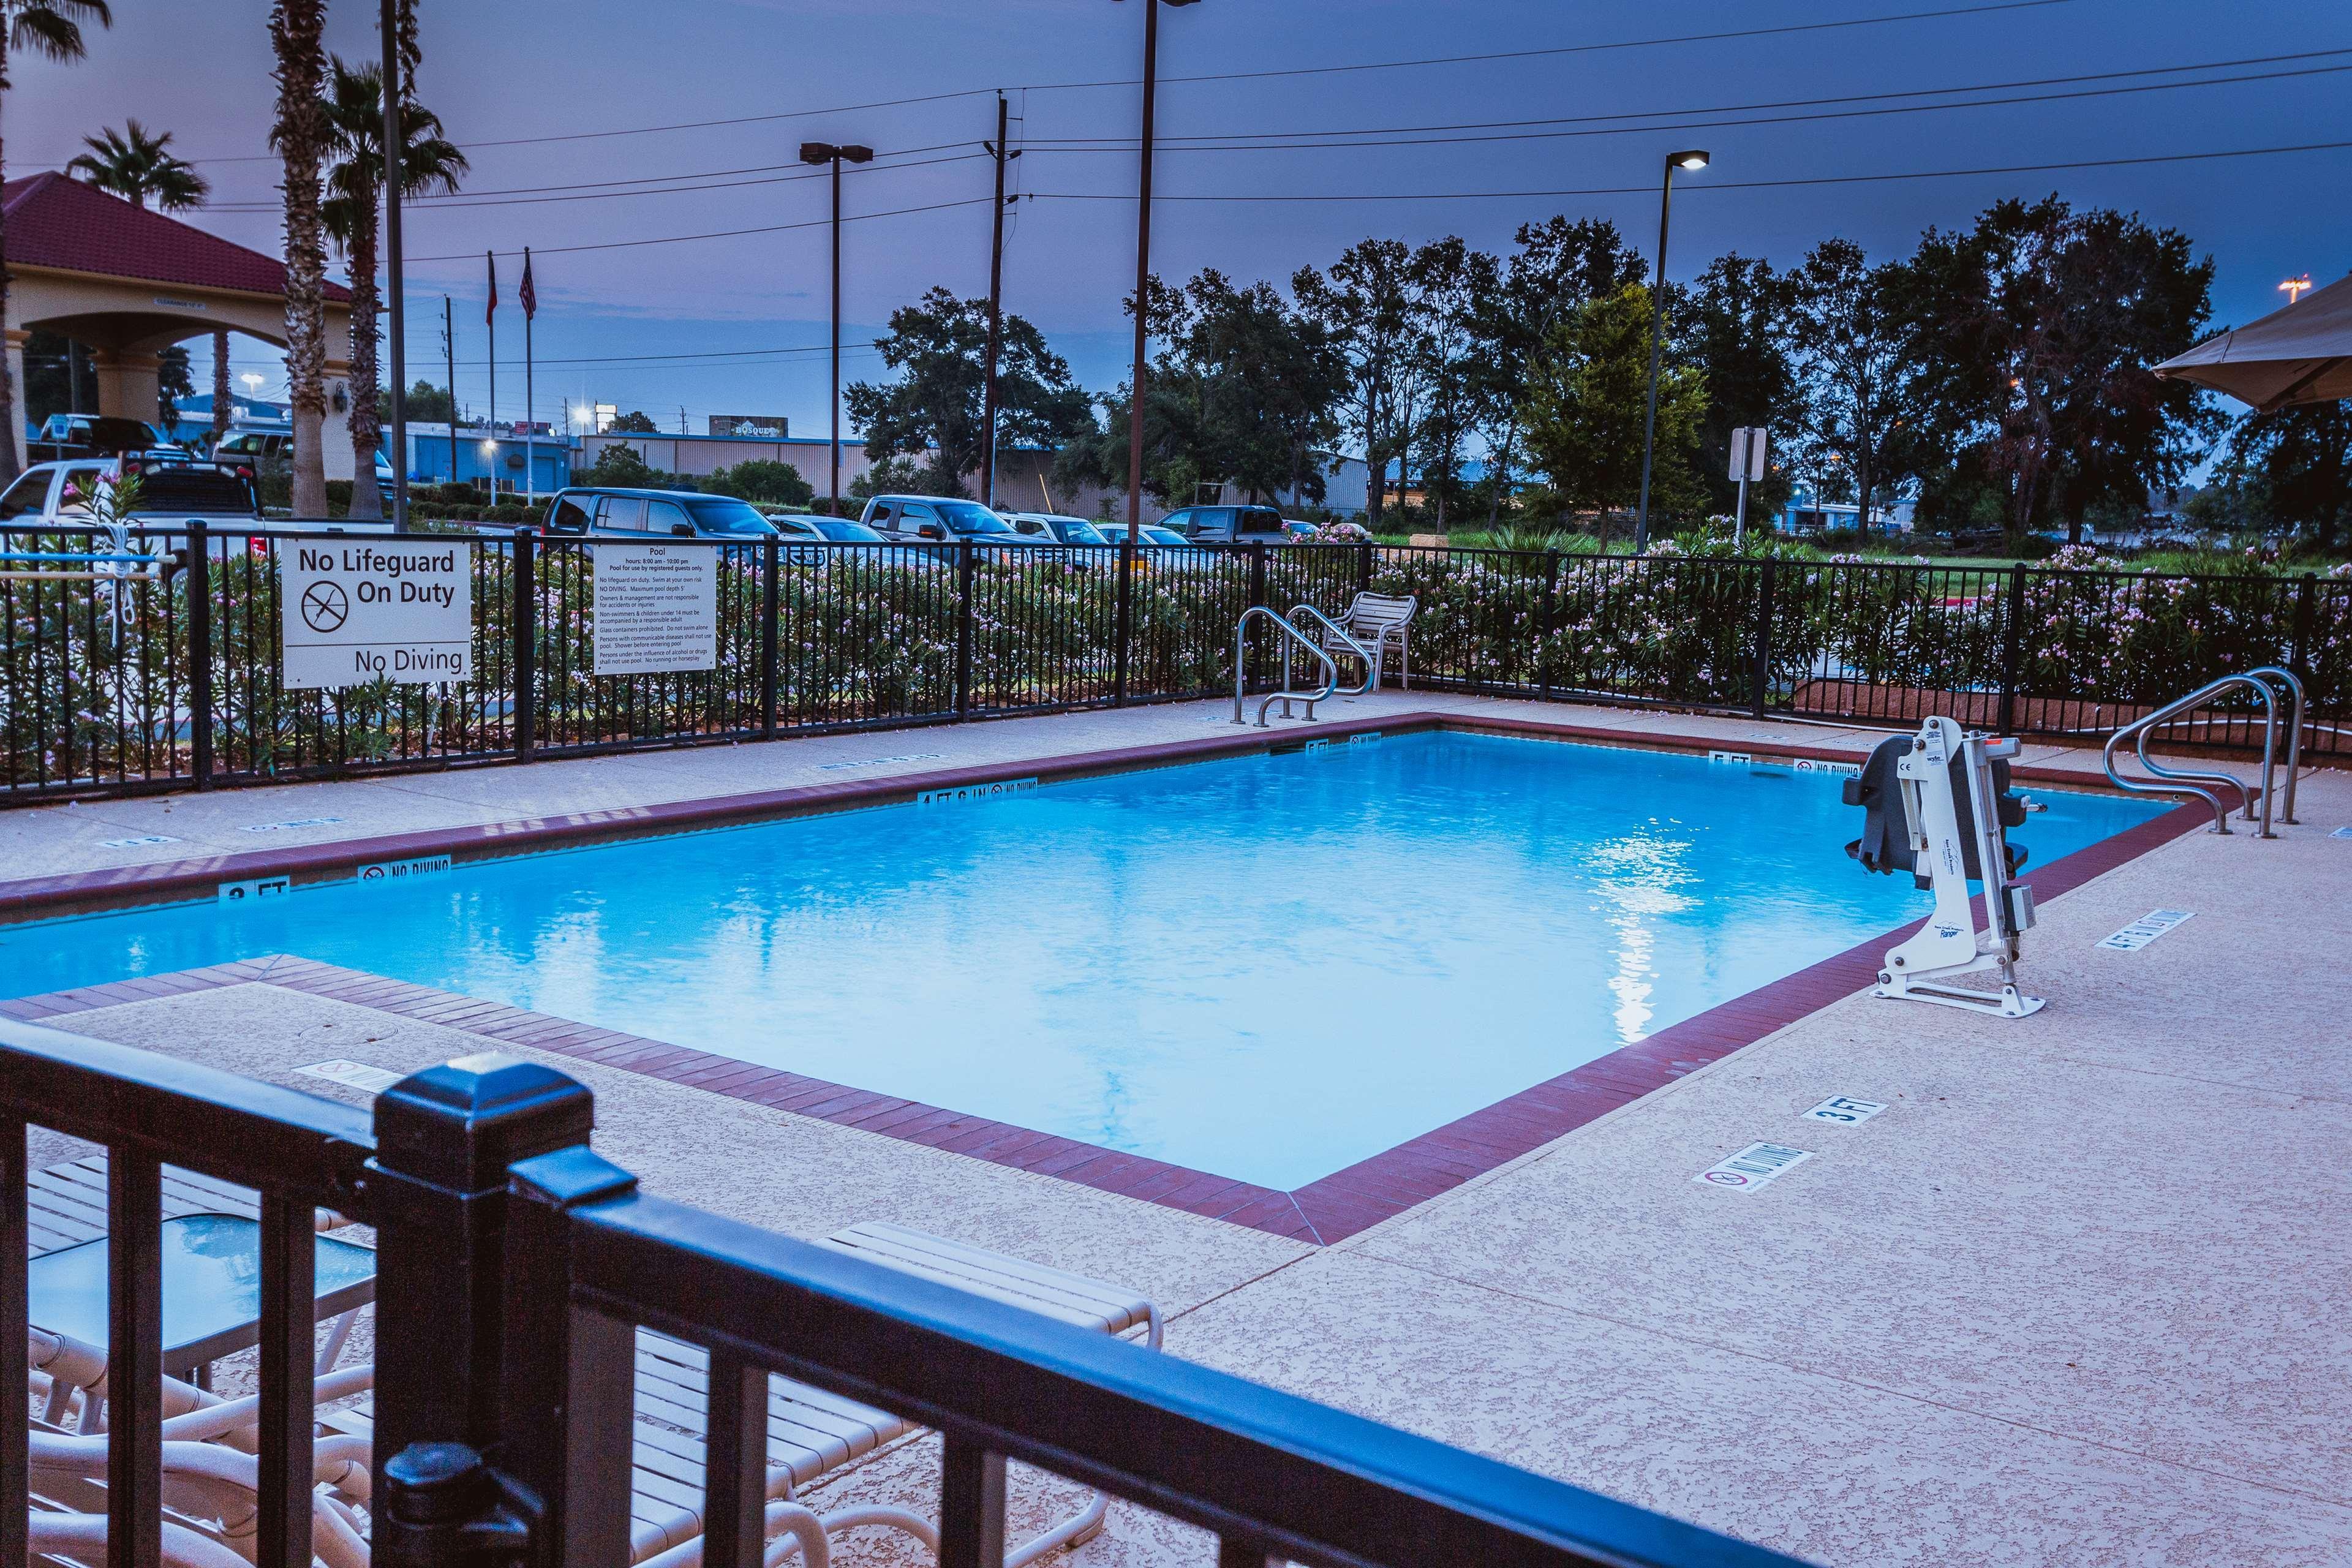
(2074,1297)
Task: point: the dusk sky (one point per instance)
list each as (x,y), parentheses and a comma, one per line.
(518,75)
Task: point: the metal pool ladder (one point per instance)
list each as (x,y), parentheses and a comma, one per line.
(1298,638)
(2177,781)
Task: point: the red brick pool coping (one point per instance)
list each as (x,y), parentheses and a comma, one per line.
(36,897)
(1323,1211)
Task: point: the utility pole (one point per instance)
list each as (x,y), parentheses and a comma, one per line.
(1132,535)
(449,357)
(996,312)
(395,326)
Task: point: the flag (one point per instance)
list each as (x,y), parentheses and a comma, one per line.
(490,311)
(527,295)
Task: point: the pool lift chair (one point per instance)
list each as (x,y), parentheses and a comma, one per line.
(1954,787)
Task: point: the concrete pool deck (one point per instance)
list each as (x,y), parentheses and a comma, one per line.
(2073,1298)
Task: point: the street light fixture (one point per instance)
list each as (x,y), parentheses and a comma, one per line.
(1131,537)
(827,153)
(1692,160)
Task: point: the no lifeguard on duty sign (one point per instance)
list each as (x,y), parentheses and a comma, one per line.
(358,610)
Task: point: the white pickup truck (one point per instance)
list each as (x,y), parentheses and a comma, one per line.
(171,496)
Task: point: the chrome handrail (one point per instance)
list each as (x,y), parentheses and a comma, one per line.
(1345,636)
(2293,737)
(1286,696)
(2179,778)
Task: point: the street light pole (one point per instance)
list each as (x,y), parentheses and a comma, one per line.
(395,281)
(1692,160)
(827,153)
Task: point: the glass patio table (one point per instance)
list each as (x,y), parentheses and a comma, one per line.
(212,1291)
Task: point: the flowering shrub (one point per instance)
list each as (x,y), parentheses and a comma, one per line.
(94,678)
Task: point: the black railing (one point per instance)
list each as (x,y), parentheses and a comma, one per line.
(172,682)
(513,1268)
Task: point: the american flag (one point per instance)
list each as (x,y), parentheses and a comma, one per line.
(527,295)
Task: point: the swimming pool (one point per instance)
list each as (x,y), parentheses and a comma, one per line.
(1269,966)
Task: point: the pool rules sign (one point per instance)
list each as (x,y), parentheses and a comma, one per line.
(357,610)
(657,608)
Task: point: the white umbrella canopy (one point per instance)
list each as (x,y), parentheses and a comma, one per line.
(2299,354)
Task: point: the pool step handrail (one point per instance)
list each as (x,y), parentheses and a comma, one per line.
(1348,640)
(2190,781)
(1286,696)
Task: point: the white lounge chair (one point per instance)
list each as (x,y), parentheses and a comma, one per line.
(813,1434)
(1377,623)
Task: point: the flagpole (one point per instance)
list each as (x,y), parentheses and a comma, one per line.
(490,425)
(529,445)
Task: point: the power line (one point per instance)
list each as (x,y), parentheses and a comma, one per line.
(1230,76)
(716,234)
(493,199)
(1295,146)
(1651,188)
(1564,49)
(1127,143)
(648,358)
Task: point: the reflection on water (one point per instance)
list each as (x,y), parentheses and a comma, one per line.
(1267,967)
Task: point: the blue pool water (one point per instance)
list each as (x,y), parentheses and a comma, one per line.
(1269,967)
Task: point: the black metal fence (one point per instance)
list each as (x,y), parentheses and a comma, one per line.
(513,1267)
(116,682)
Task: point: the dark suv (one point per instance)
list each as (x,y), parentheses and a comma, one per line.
(1228,525)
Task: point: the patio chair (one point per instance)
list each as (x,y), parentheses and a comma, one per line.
(81,1538)
(813,1434)
(212,1492)
(1378,623)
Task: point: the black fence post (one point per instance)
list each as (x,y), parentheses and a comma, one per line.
(963,628)
(200,654)
(1546,622)
(1759,693)
(2298,658)
(1364,567)
(2012,643)
(770,559)
(1257,587)
(526,644)
(437,1192)
(1123,625)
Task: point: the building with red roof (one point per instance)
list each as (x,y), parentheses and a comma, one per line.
(128,283)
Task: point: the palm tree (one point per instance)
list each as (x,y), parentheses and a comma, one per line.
(354,185)
(301,137)
(139,166)
(51,29)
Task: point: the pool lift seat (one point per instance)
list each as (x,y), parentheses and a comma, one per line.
(1957,809)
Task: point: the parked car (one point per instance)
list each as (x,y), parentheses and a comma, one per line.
(1229,525)
(62,493)
(612,512)
(829,530)
(254,452)
(942,519)
(68,435)
(1157,545)
(1053,528)
(806,538)
(172,496)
